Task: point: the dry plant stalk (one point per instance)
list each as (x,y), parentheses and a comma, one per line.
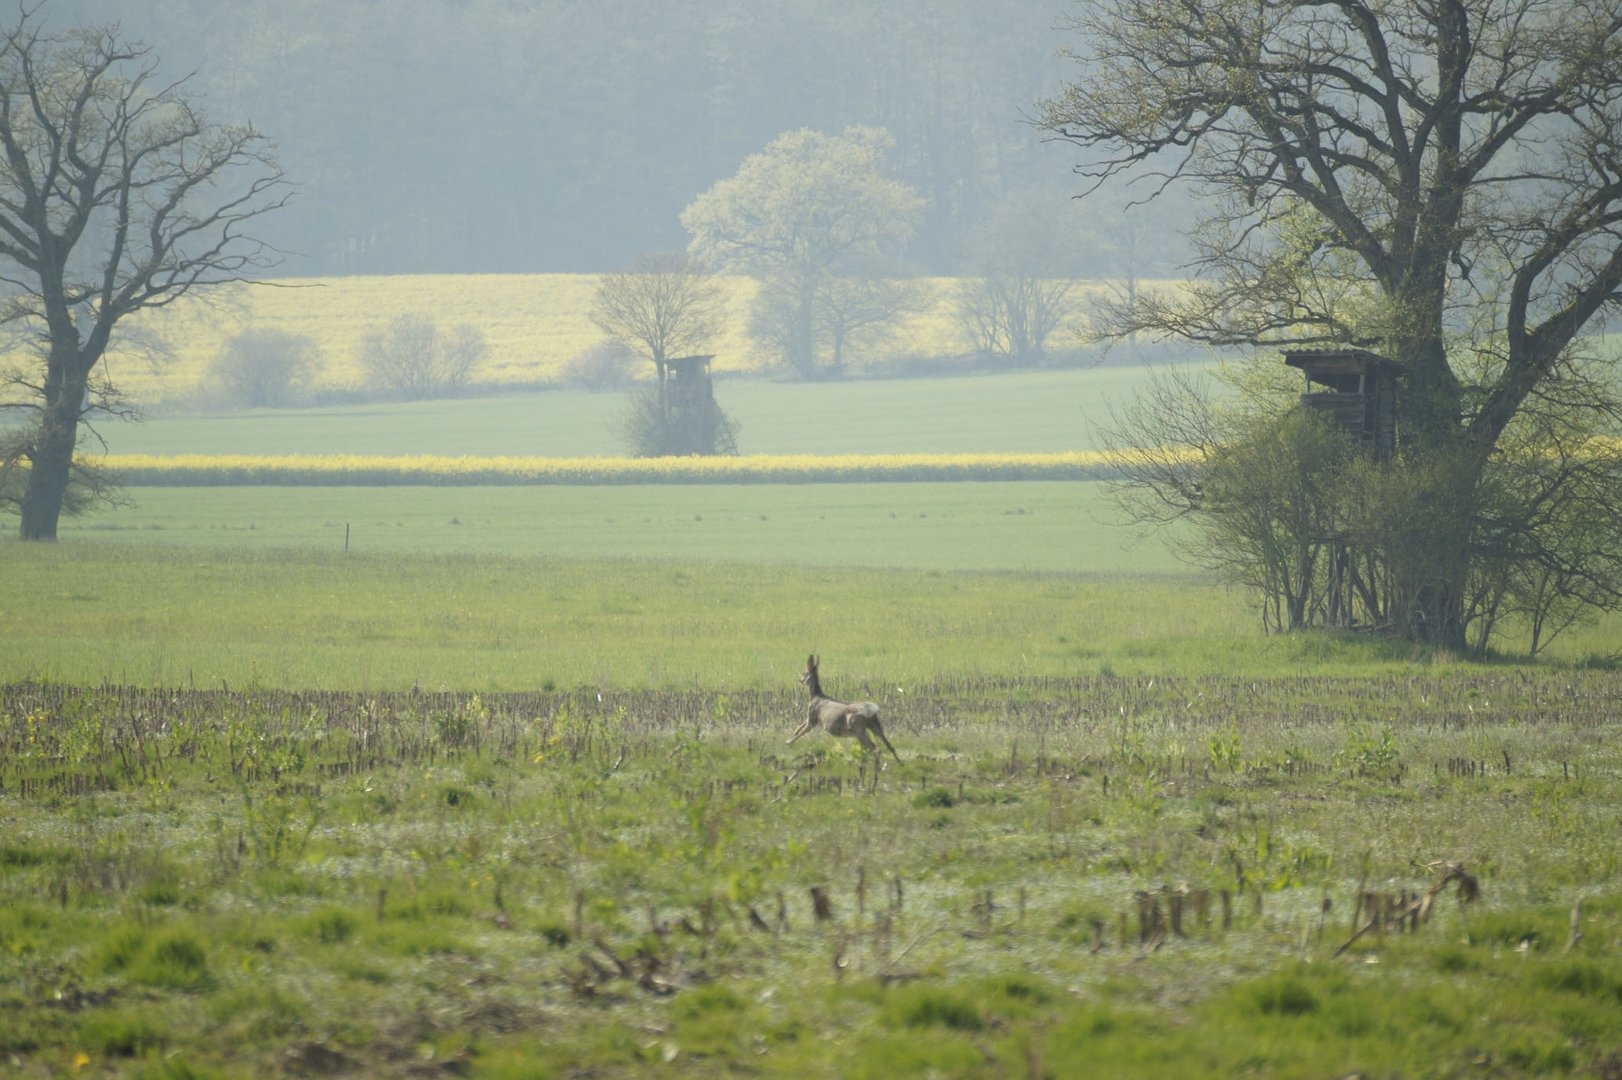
(1418,910)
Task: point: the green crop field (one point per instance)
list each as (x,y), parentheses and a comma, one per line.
(1038,526)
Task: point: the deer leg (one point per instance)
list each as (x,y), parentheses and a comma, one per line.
(878,729)
(860,731)
(803,728)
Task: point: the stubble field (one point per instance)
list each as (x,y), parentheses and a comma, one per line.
(1065,875)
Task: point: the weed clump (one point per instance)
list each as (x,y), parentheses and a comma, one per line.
(331,926)
(928,1006)
(1283,995)
(173,959)
(121,1034)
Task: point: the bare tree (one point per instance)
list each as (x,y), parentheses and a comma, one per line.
(116,195)
(854,314)
(663,306)
(1012,314)
(411,358)
(849,314)
(1022,262)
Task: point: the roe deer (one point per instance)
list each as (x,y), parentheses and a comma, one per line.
(841,718)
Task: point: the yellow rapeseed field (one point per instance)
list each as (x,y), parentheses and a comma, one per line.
(534,325)
(360,469)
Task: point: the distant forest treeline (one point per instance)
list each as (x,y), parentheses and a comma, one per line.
(460,136)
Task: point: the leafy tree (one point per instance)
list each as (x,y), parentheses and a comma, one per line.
(1270,496)
(412,359)
(264,367)
(1434,181)
(809,209)
(116,195)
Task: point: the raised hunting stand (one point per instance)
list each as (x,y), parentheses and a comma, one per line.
(1356,391)
(690,422)
(685,382)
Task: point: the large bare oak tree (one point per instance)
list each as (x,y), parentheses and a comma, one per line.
(116,195)
(1436,180)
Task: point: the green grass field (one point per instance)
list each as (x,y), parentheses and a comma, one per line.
(1030,411)
(1027,526)
(200,615)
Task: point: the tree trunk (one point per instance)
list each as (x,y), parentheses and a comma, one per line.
(51,459)
(805,344)
(1431,434)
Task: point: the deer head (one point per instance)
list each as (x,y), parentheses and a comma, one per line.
(810,671)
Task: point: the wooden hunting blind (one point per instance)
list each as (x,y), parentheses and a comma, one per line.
(687,381)
(1357,392)
(690,370)
(1355,389)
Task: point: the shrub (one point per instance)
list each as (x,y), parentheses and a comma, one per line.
(1283,995)
(173,959)
(660,423)
(264,368)
(330,927)
(122,1034)
(927,1006)
(410,358)
(607,365)
(176,961)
